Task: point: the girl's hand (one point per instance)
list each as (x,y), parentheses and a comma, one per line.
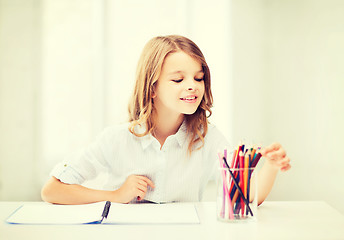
(134,187)
(276,155)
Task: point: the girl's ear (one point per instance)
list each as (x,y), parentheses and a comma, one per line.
(153,91)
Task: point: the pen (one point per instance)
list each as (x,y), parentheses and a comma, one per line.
(106,210)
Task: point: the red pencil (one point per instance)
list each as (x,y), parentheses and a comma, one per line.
(241,176)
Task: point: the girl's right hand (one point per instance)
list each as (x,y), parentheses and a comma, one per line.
(135,186)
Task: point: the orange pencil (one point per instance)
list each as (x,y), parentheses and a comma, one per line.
(246,166)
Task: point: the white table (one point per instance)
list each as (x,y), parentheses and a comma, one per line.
(276,220)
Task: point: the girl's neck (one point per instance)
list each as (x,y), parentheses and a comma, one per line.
(166,126)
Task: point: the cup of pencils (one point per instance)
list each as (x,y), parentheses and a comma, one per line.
(237,184)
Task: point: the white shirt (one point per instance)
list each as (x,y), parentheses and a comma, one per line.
(119,153)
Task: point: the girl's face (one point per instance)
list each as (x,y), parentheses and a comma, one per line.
(180,87)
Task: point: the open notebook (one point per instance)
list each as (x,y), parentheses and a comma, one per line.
(105,212)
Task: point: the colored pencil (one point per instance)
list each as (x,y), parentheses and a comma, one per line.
(237,186)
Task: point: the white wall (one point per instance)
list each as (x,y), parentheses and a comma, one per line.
(66,101)
(19,78)
(288,74)
(305,81)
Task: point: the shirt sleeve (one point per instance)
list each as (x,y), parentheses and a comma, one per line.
(87,163)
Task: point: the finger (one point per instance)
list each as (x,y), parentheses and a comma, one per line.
(276,154)
(140,179)
(143,183)
(272,147)
(285,161)
(147,180)
(141,196)
(286,168)
(142,188)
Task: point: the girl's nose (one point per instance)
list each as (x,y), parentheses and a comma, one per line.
(191,85)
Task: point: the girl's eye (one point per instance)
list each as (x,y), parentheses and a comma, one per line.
(178,80)
(199,79)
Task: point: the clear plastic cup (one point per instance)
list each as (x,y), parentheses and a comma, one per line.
(237,195)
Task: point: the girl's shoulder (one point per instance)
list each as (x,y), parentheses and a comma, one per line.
(115,132)
(215,136)
(213,131)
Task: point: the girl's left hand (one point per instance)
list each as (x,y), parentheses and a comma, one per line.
(276,155)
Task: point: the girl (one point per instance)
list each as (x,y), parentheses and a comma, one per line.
(168,150)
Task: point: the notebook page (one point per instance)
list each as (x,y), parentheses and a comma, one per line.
(147,213)
(46,213)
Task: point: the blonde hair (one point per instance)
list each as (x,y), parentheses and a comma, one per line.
(141,108)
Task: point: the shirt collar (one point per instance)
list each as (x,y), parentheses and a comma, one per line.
(145,140)
(148,139)
(181,134)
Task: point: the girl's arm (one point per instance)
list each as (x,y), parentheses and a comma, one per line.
(277,159)
(58,192)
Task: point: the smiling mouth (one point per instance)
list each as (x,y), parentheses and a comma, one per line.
(189,98)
